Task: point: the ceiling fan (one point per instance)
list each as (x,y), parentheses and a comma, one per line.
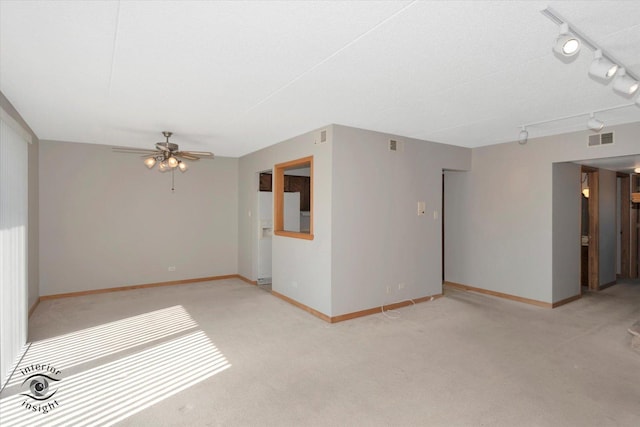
(167,154)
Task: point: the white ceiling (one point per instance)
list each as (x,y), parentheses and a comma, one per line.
(233,77)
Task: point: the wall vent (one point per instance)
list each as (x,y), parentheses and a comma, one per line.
(601,139)
(321,137)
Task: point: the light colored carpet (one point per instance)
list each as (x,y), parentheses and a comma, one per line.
(226,353)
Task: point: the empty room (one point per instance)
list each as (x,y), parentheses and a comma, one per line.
(319,213)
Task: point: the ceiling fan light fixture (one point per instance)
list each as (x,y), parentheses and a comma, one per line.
(601,67)
(150,162)
(595,124)
(625,84)
(567,44)
(167,156)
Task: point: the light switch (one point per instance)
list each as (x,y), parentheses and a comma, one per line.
(421,208)
(435,214)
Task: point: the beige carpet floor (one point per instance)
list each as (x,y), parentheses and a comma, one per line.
(226,353)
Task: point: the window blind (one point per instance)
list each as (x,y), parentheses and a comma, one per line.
(13,244)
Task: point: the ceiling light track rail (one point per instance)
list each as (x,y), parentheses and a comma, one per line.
(573,116)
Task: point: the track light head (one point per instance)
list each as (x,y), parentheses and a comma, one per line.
(523,137)
(595,124)
(567,44)
(601,67)
(625,84)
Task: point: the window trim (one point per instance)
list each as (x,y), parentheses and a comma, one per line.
(278,198)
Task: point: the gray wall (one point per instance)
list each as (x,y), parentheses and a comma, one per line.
(107,221)
(378,238)
(499,215)
(33,273)
(301,269)
(566,230)
(607,218)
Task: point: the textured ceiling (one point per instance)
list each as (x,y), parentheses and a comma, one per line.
(233,77)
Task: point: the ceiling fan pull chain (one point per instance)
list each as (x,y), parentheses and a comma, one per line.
(172,185)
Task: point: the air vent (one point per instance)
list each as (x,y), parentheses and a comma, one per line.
(601,139)
(393,145)
(321,137)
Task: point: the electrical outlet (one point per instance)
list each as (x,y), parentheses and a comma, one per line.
(400,286)
(172,268)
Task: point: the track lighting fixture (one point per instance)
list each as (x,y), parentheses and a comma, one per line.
(625,84)
(594,124)
(601,67)
(524,136)
(567,44)
(604,65)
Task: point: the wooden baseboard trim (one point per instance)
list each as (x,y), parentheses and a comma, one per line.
(249,281)
(349,316)
(607,285)
(499,294)
(566,301)
(144,286)
(369,311)
(33,307)
(302,306)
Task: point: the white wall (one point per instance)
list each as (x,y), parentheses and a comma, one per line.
(108,221)
(566,230)
(499,233)
(378,238)
(301,269)
(607,219)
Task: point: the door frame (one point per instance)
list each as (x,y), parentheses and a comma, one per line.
(634,230)
(625,226)
(594,228)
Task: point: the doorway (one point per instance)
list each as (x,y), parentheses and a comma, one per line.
(265,229)
(634,227)
(623,217)
(589,242)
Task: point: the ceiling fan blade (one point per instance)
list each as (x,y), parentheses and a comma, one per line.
(200,153)
(184,155)
(132,150)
